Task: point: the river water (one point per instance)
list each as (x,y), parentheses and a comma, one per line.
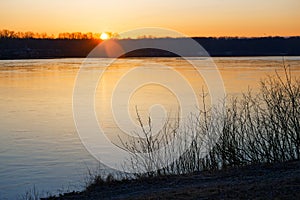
(39,143)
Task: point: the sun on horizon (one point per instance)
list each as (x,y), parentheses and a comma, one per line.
(104,36)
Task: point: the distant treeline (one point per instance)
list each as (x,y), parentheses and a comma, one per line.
(30,47)
(65,35)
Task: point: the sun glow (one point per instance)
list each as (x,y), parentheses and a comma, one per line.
(104,36)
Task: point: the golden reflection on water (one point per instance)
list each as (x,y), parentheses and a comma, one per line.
(155,99)
(158,101)
(48,86)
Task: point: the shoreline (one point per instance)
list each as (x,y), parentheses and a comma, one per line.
(30,48)
(141,57)
(260,181)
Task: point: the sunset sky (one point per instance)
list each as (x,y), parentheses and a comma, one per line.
(190,17)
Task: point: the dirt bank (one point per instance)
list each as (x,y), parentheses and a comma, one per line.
(276,181)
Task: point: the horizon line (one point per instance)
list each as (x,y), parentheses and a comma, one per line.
(6,33)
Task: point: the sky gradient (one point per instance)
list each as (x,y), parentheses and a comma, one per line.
(190,17)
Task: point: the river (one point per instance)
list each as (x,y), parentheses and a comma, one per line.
(39,144)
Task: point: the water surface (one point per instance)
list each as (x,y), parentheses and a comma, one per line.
(39,144)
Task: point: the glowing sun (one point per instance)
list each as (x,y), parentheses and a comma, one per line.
(104,36)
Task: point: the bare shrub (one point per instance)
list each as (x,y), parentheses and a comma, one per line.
(254,128)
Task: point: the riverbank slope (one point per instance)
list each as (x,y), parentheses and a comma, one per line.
(263,181)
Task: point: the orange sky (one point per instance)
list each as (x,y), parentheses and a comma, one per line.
(191,17)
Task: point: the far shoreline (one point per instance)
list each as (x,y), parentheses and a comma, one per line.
(145,57)
(30,48)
